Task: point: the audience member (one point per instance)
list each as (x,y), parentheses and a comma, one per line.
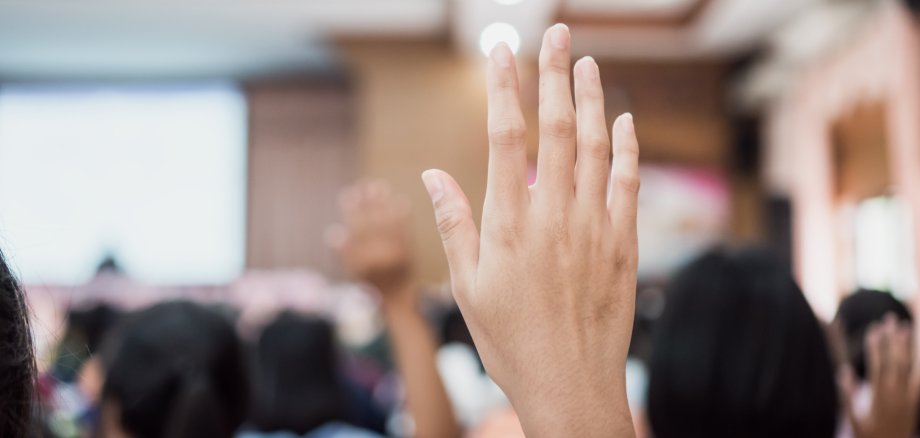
(70,391)
(374,246)
(298,389)
(880,379)
(86,328)
(738,352)
(174,370)
(856,314)
(17,360)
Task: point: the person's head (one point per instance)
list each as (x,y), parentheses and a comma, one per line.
(86,328)
(738,352)
(854,316)
(297,384)
(17,360)
(174,370)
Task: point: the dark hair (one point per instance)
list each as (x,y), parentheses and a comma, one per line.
(298,387)
(738,352)
(856,313)
(453,328)
(17,360)
(177,370)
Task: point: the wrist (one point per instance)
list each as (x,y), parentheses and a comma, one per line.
(576,405)
(393,279)
(398,299)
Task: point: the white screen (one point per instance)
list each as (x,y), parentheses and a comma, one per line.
(152,175)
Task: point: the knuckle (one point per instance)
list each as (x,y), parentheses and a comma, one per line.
(506,82)
(597,147)
(623,258)
(629,182)
(593,93)
(559,126)
(551,66)
(508,234)
(448,221)
(508,132)
(628,153)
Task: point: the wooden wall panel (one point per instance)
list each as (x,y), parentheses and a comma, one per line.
(301,154)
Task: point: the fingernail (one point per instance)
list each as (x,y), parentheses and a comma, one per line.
(588,68)
(501,55)
(559,36)
(433,184)
(628,122)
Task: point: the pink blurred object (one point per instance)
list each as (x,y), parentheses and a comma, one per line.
(258,295)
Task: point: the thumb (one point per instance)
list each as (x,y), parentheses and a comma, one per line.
(456,226)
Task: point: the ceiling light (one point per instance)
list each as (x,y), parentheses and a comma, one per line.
(497,33)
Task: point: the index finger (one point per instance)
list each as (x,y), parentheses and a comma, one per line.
(507,180)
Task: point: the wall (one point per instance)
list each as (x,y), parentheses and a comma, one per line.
(880,67)
(301,153)
(420,105)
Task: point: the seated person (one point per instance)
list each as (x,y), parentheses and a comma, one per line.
(17,359)
(297,387)
(373,243)
(879,377)
(856,314)
(739,352)
(173,370)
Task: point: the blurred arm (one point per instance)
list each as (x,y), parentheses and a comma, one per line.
(415,351)
(374,246)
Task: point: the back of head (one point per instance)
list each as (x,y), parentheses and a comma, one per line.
(176,370)
(86,328)
(738,352)
(17,361)
(297,384)
(856,313)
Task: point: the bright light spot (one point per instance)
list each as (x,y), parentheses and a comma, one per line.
(884,254)
(496,33)
(508,2)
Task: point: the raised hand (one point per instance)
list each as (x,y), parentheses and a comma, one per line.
(548,287)
(895,381)
(373,243)
(374,246)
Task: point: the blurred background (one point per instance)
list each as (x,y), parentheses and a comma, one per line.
(196,148)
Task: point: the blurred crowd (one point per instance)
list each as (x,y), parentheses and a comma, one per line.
(737,351)
(541,335)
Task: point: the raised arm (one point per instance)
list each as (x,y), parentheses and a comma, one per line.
(894,376)
(375,248)
(548,286)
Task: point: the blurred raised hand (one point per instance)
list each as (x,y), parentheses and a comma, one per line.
(374,245)
(373,241)
(894,379)
(548,286)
